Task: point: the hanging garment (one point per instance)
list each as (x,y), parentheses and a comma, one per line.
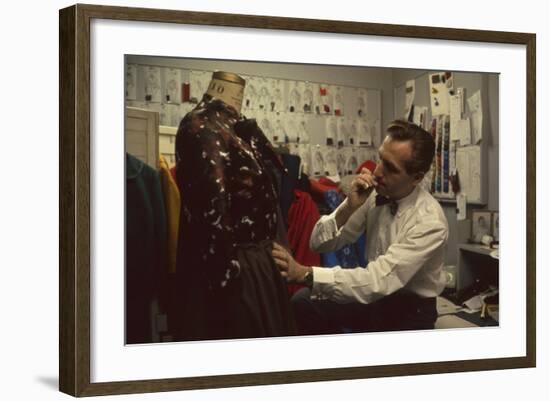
(351,255)
(302,216)
(172,205)
(289,184)
(145,248)
(228,203)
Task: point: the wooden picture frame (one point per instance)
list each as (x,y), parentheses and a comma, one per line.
(75,206)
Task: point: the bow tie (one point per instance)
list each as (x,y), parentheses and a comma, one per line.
(382,200)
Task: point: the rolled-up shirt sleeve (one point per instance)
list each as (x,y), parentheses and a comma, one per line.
(327,237)
(422,243)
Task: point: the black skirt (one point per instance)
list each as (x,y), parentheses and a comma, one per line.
(255,305)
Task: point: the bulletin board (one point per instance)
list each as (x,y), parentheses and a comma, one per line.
(333,128)
(450,107)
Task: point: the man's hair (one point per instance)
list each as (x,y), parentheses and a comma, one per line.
(422,145)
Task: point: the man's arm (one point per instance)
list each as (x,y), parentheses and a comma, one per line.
(348,221)
(327,236)
(361,188)
(423,244)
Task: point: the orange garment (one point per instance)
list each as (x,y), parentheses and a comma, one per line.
(172,205)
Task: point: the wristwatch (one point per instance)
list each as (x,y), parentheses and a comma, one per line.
(308,279)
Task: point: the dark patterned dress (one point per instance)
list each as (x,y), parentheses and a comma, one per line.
(230,286)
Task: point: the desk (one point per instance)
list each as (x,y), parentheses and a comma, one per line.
(475,263)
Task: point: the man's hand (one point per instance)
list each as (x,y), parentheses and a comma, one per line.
(361,188)
(289,268)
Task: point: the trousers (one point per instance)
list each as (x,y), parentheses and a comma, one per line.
(398,311)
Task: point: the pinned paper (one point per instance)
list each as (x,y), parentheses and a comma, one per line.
(463,132)
(461,206)
(456,115)
(291,128)
(441,84)
(276,90)
(303,136)
(131,81)
(303,151)
(251,93)
(338,101)
(295,96)
(264,94)
(165,114)
(199,81)
(361,102)
(308,98)
(420,116)
(305,158)
(278,128)
(468,164)
(152,84)
(183,109)
(352,160)
(172,85)
(317,161)
(409,98)
(331,130)
(331,169)
(476,117)
(343,133)
(461,92)
(322,99)
(365,135)
(264,122)
(328,99)
(341,162)
(353,129)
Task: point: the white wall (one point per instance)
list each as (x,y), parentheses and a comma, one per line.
(378,82)
(28,206)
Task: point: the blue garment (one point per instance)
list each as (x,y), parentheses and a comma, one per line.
(351,255)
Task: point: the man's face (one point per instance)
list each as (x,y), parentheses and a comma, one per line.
(393,180)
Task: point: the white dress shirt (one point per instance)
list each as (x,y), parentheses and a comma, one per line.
(405,251)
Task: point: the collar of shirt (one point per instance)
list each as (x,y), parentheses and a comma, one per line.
(407,201)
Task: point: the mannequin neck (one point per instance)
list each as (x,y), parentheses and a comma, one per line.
(228,92)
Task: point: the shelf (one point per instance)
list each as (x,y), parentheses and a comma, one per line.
(481,249)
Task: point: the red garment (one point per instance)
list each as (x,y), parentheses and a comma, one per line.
(318,188)
(328,182)
(302,216)
(367,164)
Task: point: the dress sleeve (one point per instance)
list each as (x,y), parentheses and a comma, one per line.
(203,178)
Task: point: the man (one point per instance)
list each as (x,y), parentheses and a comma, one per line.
(406,238)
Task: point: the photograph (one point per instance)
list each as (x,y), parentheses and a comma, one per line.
(206,233)
(227,230)
(481,224)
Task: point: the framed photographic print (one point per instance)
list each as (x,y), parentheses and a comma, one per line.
(115,59)
(481,224)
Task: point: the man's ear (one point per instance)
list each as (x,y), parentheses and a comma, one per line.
(418,177)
